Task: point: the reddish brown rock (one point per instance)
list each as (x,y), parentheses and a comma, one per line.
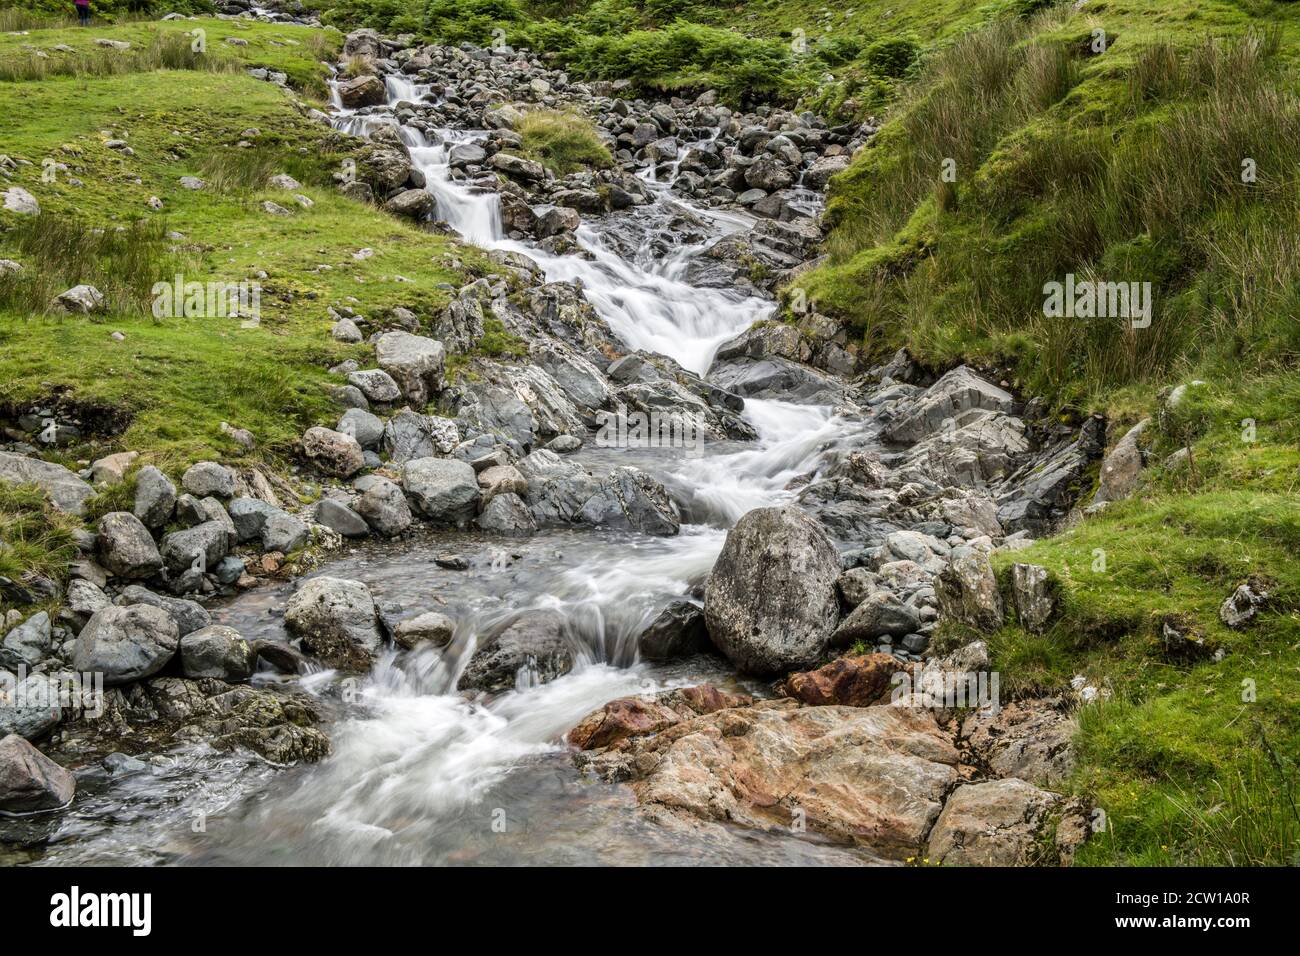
(630,717)
(849,681)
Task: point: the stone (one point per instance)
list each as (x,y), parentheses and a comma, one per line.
(415,362)
(1030,739)
(285,533)
(848,681)
(126,643)
(444,490)
(631,499)
(126,548)
(31,782)
(219,652)
(518,168)
(678,631)
(770,601)
(967,591)
(429,628)
(384,507)
(30,708)
(333,453)
(155,497)
(20,201)
(882,614)
(337,621)
(345,330)
(1031,594)
(188,615)
(367,429)
(996,823)
(1121,470)
(83,599)
(66,491)
(208,479)
(199,548)
(499,480)
(414,204)
(958,391)
(631,717)
(376,384)
(507,514)
(871,776)
(362,91)
(531,650)
(339,517)
(409,435)
(111,469)
(27,644)
(1240,607)
(249,516)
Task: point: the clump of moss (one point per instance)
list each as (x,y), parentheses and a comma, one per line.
(563,142)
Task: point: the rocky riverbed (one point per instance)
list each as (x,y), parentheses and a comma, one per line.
(510,639)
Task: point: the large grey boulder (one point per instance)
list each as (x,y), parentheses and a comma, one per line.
(66,491)
(442,489)
(250,516)
(431,628)
(339,517)
(219,652)
(383,505)
(531,650)
(31,782)
(155,497)
(20,201)
(414,362)
(376,384)
(557,489)
(362,91)
(337,622)
(126,643)
(770,602)
(285,533)
(126,548)
(366,427)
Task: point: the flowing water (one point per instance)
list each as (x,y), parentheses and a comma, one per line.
(421,775)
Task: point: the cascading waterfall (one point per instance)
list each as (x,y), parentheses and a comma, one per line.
(419,774)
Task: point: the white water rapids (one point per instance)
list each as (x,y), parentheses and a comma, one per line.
(419,774)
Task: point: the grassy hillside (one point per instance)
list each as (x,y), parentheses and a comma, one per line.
(177,380)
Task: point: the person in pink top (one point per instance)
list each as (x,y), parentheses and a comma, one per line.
(83,12)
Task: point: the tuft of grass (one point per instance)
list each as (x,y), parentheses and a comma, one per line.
(35,538)
(563,141)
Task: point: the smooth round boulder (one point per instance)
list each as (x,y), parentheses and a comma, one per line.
(337,621)
(770,603)
(442,489)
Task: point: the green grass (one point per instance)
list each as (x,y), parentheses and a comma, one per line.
(178,379)
(296,51)
(1192,760)
(1124,166)
(564,142)
(36,539)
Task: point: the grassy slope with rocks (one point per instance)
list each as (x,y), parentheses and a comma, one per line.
(1125,165)
(181,378)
